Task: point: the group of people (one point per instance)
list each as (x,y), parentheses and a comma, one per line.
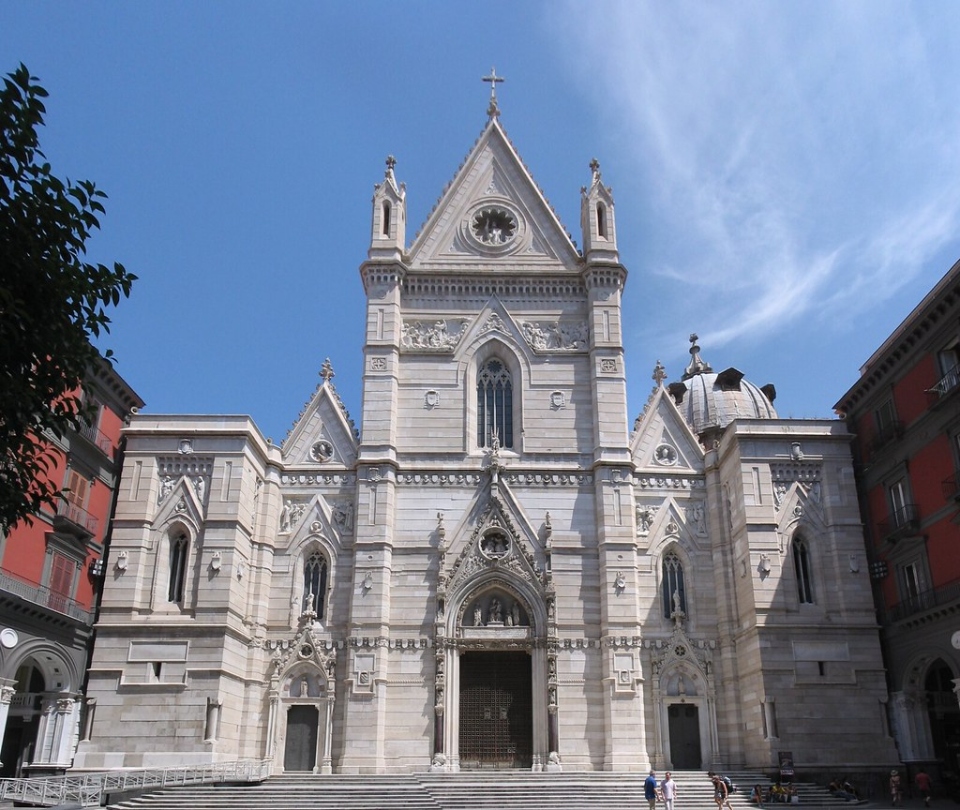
(921,780)
(665,791)
(778,792)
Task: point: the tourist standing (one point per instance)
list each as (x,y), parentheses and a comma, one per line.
(650,790)
(668,789)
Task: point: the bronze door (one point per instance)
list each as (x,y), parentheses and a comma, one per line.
(684,736)
(300,751)
(496,717)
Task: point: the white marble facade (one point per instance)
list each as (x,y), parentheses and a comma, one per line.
(688,593)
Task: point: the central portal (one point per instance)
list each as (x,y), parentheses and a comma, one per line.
(496,718)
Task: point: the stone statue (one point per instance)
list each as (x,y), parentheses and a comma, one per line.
(496,611)
(515,614)
(478,616)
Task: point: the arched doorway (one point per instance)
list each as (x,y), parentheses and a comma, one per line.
(496,710)
(23,721)
(944,714)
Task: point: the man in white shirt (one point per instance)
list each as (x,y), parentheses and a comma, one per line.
(668,789)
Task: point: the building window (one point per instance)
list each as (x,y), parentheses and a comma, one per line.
(62,577)
(494,405)
(601,221)
(888,428)
(673,593)
(315,583)
(900,506)
(179,546)
(911,584)
(801,563)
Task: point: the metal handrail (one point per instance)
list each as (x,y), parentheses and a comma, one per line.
(43,596)
(87,789)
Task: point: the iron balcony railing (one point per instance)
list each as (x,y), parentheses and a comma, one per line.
(98,437)
(903,522)
(89,789)
(925,600)
(42,595)
(888,433)
(78,516)
(947,383)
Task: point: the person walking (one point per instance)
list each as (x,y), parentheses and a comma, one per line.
(896,794)
(650,790)
(922,781)
(720,793)
(668,789)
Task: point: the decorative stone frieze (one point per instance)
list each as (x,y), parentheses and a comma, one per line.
(556,336)
(440,336)
(316,479)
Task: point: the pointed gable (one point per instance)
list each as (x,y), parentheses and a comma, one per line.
(663,440)
(492,209)
(323,433)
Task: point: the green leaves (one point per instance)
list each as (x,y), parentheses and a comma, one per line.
(51,302)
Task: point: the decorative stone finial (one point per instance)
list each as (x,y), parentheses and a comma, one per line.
(391,162)
(326,371)
(595,168)
(659,373)
(697,363)
(493,111)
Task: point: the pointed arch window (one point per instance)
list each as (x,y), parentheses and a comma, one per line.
(674,594)
(801,563)
(601,221)
(494,404)
(179,546)
(385,219)
(315,583)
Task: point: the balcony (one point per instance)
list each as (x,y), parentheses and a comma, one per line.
(887,434)
(925,601)
(98,438)
(948,385)
(42,595)
(79,518)
(904,522)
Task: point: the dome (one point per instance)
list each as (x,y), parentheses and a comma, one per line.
(710,401)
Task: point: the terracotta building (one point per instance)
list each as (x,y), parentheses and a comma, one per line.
(50,570)
(905,412)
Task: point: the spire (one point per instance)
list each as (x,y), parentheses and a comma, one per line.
(597,219)
(494,109)
(659,374)
(697,364)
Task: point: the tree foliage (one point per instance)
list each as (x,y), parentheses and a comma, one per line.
(52,302)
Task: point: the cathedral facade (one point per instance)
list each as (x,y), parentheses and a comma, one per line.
(501,569)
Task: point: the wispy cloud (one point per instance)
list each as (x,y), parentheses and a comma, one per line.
(808,153)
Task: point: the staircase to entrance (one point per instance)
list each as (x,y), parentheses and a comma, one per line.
(499,790)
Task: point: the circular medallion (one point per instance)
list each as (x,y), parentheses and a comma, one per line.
(9,638)
(666,455)
(955,640)
(321,451)
(679,650)
(306,651)
(494,226)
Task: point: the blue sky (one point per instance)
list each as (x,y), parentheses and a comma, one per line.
(785,174)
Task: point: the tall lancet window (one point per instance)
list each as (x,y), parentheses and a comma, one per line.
(801,561)
(315,582)
(179,546)
(494,404)
(674,594)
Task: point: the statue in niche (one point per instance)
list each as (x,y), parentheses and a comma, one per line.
(645,517)
(304,687)
(515,614)
(495,545)
(200,485)
(166,487)
(478,616)
(495,616)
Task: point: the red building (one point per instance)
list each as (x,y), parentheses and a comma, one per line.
(50,572)
(905,413)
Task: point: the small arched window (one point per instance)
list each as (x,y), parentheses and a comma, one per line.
(179,546)
(494,404)
(315,583)
(385,219)
(601,221)
(674,593)
(801,563)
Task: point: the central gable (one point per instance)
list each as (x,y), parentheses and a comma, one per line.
(493,216)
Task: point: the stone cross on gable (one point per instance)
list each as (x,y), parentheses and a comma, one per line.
(493,110)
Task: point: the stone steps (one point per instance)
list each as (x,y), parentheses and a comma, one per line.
(500,790)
